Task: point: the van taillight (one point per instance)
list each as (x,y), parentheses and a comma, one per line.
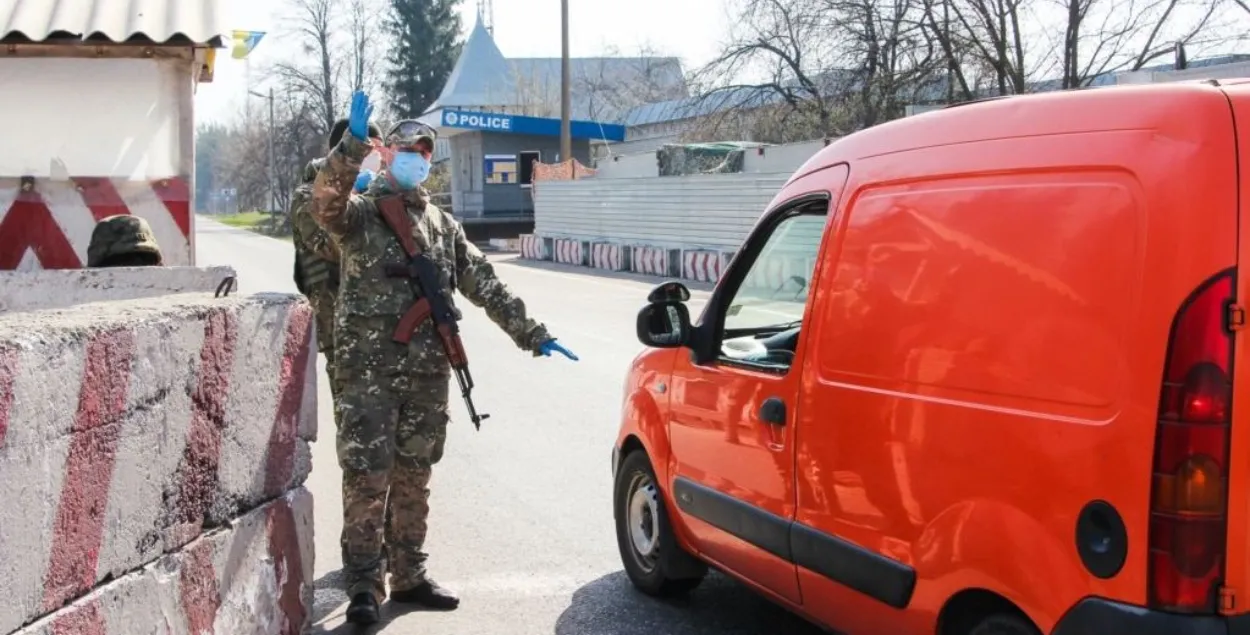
(1189,498)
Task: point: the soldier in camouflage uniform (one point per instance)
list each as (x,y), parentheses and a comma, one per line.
(123,241)
(317,259)
(394,410)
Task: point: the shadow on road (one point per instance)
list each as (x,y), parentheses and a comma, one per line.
(611,606)
(330,604)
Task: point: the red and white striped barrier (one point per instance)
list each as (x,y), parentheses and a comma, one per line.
(48,224)
(569,251)
(128,428)
(652,261)
(532,247)
(701,265)
(251,578)
(609,256)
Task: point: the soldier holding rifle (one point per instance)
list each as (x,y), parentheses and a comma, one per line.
(397,344)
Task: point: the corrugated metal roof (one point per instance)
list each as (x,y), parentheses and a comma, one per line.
(157,21)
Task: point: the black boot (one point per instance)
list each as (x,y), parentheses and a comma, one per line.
(428,594)
(363,610)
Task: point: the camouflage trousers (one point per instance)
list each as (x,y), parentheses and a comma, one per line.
(393,427)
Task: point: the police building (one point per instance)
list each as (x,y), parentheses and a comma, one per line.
(496,116)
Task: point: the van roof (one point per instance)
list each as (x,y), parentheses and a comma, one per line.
(1138,106)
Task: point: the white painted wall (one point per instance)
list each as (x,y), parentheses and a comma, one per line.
(121,118)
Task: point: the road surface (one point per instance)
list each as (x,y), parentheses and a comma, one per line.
(521,514)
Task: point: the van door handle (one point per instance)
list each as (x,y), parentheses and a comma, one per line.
(773,411)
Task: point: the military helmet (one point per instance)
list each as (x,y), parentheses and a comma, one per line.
(122,240)
(407,132)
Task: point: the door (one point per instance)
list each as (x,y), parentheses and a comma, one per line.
(732,420)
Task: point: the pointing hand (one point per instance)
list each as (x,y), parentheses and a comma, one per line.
(550,346)
(358,121)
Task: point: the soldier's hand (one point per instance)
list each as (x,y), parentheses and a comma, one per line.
(358,120)
(548,347)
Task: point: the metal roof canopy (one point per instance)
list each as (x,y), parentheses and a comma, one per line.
(159,22)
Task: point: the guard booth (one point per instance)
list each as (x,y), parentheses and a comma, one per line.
(491,164)
(104,124)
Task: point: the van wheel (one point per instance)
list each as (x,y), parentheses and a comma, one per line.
(1004,624)
(653,560)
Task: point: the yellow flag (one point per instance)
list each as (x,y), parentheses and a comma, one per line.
(244,42)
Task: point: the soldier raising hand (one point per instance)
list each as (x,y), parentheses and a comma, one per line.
(397,346)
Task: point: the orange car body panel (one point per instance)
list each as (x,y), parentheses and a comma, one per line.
(960,436)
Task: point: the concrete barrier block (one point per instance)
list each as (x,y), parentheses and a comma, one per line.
(533,247)
(609,256)
(251,577)
(129,428)
(655,261)
(701,265)
(59,288)
(506,244)
(570,251)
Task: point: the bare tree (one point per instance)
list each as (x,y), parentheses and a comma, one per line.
(1106,36)
(786,47)
(312,23)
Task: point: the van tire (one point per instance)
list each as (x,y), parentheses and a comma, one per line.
(665,569)
(1004,624)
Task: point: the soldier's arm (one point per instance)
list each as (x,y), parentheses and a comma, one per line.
(332,189)
(477,281)
(306,229)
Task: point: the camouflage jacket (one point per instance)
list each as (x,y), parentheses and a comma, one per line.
(367,245)
(316,255)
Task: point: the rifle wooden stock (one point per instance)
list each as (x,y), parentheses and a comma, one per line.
(399,221)
(412,318)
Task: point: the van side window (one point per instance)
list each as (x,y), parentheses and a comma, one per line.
(765,312)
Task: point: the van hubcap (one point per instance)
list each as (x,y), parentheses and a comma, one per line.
(643,519)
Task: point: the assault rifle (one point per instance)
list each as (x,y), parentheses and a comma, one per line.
(423,278)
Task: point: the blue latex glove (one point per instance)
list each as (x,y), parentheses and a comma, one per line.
(550,346)
(358,120)
(363,179)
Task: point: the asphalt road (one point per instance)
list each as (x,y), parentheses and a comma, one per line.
(521,519)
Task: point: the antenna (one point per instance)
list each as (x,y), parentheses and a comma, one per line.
(486,15)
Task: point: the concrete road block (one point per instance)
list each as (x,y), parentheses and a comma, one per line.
(251,577)
(654,261)
(701,265)
(129,428)
(610,256)
(533,247)
(569,251)
(59,288)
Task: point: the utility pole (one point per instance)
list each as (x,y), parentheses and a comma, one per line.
(566,136)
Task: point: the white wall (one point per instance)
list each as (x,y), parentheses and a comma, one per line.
(625,166)
(714,211)
(780,159)
(120,118)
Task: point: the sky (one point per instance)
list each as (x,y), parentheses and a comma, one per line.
(690,29)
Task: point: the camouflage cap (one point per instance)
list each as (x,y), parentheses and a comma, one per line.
(121,235)
(407,132)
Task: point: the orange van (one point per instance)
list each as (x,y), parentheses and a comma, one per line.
(972,373)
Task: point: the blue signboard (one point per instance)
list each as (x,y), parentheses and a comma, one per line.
(537,126)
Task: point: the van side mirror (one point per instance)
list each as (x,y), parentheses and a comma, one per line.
(664,325)
(670,291)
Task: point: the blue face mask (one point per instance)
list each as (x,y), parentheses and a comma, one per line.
(409,169)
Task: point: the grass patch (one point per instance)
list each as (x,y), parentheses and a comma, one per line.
(259,222)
